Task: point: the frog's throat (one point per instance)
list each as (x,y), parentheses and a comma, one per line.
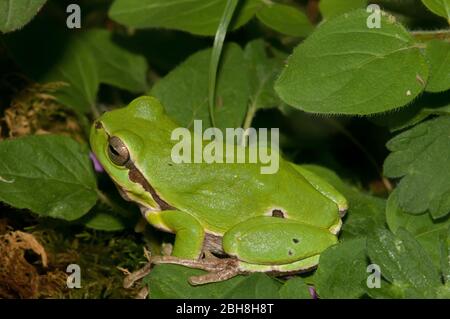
(136,176)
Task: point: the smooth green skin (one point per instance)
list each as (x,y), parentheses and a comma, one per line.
(231,201)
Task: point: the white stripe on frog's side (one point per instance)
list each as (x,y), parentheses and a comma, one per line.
(7,181)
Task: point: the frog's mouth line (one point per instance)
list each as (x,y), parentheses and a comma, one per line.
(136,176)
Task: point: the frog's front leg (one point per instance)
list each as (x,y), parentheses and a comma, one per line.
(189,236)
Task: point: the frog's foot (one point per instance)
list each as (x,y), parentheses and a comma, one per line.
(132,277)
(137,275)
(166,249)
(219,269)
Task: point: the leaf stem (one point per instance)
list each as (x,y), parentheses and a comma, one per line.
(95,110)
(249,116)
(431,35)
(216,52)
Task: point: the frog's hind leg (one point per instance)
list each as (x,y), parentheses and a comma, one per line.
(219,269)
(271,241)
(324,188)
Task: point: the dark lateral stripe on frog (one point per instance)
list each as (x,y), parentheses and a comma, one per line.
(136,176)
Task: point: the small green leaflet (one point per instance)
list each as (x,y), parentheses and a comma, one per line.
(344,67)
(14,14)
(421,157)
(111,214)
(427,231)
(50,175)
(285,19)
(342,271)
(295,288)
(404,263)
(439,7)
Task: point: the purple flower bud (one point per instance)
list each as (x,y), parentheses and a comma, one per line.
(97,166)
(312,292)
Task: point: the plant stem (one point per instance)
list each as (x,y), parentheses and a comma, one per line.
(431,35)
(95,110)
(216,52)
(249,116)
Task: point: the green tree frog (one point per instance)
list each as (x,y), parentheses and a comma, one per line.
(275,223)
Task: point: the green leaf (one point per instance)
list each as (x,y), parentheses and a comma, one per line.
(426,105)
(285,19)
(426,231)
(105,220)
(342,270)
(365,213)
(50,175)
(76,67)
(295,288)
(255,286)
(111,213)
(262,72)
(439,7)
(404,263)
(386,291)
(195,16)
(171,281)
(344,67)
(333,8)
(116,65)
(83,61)
(420,156)
(438,54)
(189,100)
(14,14)
(104,217)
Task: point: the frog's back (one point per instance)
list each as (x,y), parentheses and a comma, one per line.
(221,195)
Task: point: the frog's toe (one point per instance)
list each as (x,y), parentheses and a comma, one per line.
(229,268)
(137,275)
(335,229)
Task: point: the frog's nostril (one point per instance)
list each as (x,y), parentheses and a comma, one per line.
(295,240)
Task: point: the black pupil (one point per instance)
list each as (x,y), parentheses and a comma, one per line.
(113,151)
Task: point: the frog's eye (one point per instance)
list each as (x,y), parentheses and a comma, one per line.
(117,151)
